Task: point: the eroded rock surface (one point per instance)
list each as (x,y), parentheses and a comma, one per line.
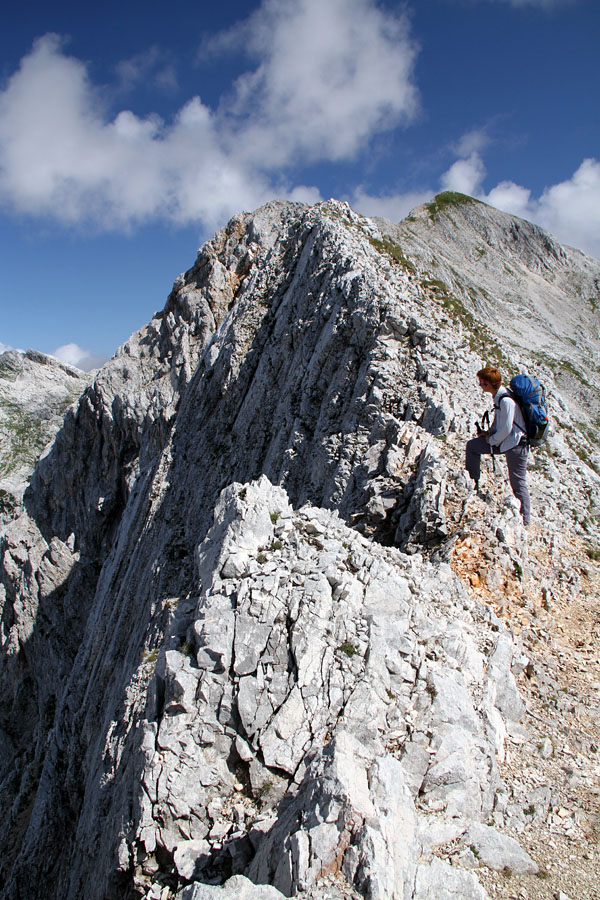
(233,639)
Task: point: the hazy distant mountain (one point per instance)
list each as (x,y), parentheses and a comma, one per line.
(255,622)
(35,391)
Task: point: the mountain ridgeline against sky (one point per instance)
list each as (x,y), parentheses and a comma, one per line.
(238,635)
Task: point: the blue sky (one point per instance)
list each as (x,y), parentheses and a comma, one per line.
(130,132)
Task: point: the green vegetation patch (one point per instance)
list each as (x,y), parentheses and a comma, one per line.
(480,338)
(446,200)
(28,434)
(7,503)
(563,366)
(27,437)
(393,250)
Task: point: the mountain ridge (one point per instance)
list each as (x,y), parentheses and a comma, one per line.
(173,630)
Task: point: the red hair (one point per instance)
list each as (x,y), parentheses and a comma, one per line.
(491,375)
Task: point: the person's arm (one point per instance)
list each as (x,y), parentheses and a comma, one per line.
(503,421)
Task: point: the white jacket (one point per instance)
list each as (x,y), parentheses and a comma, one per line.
(508,427)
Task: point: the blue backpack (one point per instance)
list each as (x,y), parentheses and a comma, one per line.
(530,395)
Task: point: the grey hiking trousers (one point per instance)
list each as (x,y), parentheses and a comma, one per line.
(516,460)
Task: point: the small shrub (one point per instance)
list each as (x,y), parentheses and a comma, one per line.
(348,648)
(7,503)
(431,690)
(265,787)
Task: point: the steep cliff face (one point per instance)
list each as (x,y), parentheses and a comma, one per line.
(223,650)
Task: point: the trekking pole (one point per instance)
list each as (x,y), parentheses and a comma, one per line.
(485,423)
(493,455)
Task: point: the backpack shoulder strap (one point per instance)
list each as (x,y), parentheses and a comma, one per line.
(508,395)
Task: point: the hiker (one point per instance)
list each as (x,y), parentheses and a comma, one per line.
(507,435)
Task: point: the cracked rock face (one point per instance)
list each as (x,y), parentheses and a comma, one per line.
(346,682)
(231,643)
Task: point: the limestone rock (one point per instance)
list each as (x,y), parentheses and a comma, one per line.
(236,888)
(231,642)
(439,881)
(498,851)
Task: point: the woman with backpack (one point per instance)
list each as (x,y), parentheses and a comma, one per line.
(507,435)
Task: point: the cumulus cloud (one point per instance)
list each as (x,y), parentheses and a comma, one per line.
(473,141)
(327,77)
(330,75)
(323,79)
(4,347)
(76,356)
(465,175)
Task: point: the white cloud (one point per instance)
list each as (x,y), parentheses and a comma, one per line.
(465,175)
(74,355)
(326,77)
(472,141)
(329,76)
(512,198)
(4,347)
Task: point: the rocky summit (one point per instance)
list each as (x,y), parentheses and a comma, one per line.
(259,636)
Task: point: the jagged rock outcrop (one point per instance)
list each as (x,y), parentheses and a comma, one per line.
(223,649)
(35,391)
